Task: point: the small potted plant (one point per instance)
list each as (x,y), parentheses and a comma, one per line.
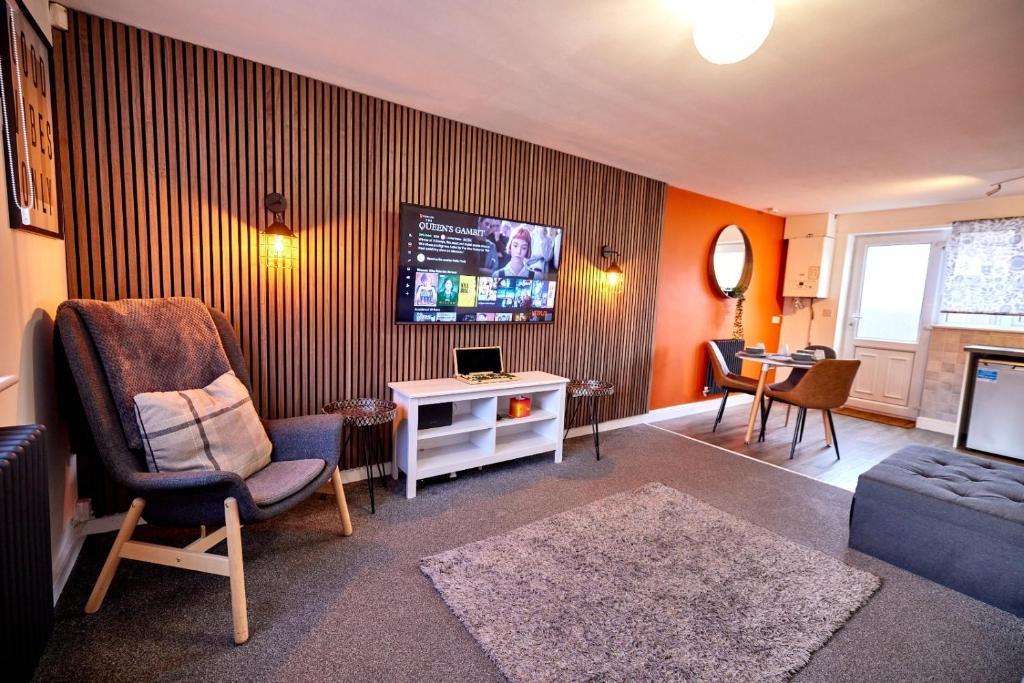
(740,294)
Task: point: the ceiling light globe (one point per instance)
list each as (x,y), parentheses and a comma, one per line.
(729,31)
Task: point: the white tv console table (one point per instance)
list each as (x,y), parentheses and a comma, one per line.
(476,436)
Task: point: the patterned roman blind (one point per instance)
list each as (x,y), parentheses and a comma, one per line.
(984,270)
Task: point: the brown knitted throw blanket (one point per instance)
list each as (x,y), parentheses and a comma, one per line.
(152,345)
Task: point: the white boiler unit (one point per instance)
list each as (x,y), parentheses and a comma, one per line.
(810,245)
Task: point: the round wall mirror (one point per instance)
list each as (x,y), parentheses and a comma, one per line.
(731,261)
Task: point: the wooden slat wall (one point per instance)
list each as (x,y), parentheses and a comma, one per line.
(167,150)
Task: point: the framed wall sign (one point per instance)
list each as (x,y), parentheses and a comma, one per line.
(30,136)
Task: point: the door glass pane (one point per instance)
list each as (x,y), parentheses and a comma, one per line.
(893,292)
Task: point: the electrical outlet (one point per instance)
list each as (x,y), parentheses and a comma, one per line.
(83,511)
(776,319)
(826,313)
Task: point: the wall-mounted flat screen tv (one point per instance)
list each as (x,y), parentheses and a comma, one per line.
(459,267)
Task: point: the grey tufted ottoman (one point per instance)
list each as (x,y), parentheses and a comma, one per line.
(955,519)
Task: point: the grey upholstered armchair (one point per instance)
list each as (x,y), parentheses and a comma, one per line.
(304,457)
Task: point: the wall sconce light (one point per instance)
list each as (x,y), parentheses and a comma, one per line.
(279,246)
(612,274)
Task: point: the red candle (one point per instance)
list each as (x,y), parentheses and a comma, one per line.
(519,406)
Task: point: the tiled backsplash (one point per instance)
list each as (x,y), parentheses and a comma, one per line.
(947,360)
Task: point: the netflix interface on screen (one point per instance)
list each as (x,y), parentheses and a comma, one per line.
(463,268)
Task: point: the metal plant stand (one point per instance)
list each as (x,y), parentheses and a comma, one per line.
(588,390)
(366,414)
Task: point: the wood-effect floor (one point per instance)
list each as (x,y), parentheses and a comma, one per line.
(862,443)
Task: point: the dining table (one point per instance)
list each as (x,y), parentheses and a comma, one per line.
(768,361)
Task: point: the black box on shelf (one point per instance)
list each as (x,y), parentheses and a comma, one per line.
(435,415)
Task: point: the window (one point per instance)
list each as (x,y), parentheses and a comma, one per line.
(892,291)
(983,276)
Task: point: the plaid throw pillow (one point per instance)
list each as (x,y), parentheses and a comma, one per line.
(213,428)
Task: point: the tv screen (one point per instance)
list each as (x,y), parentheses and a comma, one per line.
(459,267)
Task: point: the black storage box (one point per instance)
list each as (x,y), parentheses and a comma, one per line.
(435,415)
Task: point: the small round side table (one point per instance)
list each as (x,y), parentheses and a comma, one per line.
(589,390)
(365,413)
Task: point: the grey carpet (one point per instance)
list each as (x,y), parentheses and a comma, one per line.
(648,585)
(323,607)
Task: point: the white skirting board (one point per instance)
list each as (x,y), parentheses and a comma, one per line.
(933,425)
(71,545)
(682,410)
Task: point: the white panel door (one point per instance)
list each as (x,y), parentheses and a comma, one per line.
(891,298)
(885,375)
(866,381)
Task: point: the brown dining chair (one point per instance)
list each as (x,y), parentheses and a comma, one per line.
(825,386)
(795,375)
(729,381)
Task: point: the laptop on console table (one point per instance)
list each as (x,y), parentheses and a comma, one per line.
(480,365)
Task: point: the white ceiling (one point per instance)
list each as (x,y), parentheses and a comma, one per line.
(850,105)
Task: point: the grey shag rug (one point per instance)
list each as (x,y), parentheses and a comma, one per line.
(649,585)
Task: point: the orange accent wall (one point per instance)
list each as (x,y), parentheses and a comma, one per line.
(688,311)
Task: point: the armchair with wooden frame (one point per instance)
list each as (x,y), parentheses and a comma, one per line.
(304,458)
